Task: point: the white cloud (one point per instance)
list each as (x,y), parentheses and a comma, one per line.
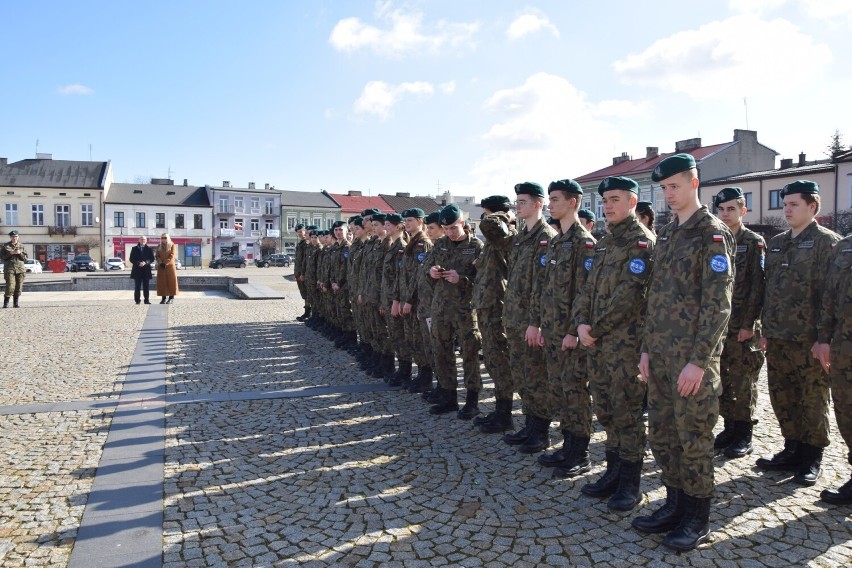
(545,129)
(754,6)
(448,88)
(75,89)
(378,98)
(837,12)
(742,55)
(405,34)
(530,23)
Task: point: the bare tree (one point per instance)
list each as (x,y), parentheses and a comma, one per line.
(88,242)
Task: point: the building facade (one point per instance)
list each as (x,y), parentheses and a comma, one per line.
(246,221)
(305,208)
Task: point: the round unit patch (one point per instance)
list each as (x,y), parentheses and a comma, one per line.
(399,264)
(588,264)
(637,266)
(346,254)
(719,263)
(542,259)
(420,257)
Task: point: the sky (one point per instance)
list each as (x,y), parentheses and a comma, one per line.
(421,96)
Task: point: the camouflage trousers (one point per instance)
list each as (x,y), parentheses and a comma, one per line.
(529,373)
(568,397)
(841,393)
(618,394)
(378,329)
(681,429)
(14,284)
(396,333)
(414,339)
(343,310)
(740,366)
(424,318)
(311,294)
(303,292)
(798,390)
(461,325)
(495,351)
(361,323)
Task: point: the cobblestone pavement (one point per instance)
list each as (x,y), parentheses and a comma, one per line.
(343,478)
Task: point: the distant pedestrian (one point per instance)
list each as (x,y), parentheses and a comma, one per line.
(141,259)
(167,284)
(14,256)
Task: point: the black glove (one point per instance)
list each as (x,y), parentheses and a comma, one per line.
(162,266)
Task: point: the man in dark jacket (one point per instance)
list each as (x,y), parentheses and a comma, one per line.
(141,259)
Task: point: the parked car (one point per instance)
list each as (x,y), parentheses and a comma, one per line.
(274,260)
(32,265)
(227,260)
(114,263)
(83,262)
(178,264)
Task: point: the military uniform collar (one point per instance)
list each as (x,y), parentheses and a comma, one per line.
(695,219)
(620,229)
(808,232)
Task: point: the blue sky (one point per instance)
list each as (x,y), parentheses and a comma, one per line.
(404,96)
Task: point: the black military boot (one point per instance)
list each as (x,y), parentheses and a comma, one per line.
(6,302)
(694,527)
(402,375)
(725,437)
(667,517)
(405,377)
(390,366)
(842,496)
(577,460)
(471,405)
(449,402)
(502,419)
(788,459)
(628,493)
(808,473)
(741,445)
(412,387)
(378,370)
(305,315)
(539,438)
(557,457)
(424,381)
(607,483)
(15,302)
(518,438)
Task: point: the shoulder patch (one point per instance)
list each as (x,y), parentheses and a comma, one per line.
(590,243)
(346,254)
(420,257)
(543,243)
(643,244)
(542,260)
(637,266)
(587,264)
(719,263)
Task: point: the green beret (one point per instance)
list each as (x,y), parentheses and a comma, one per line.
(299,227)
(369,212)
(496,203)
(566,185)
(618,182)
(377,217)
(393,218)
(586,214)
(800,186)
(727,194)
(645,207)
(358,220)
(433,217)
(673,165)
(13,233)
(338,224)
(450,214)
(414,212)
(311,227)
(352,219)
(529,188)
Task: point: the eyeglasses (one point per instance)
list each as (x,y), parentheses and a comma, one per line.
(521,202)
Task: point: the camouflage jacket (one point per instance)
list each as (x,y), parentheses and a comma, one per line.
(527,259)
(569,259)
(459,256)
(311,259)
(412,261)
(299,262)
(391,266)
(324,266)
(13,258)
(371,267)
(340,265)
(689,294)
(747,300)
(835,322)
(425,287)
(353,267)
(492,266)
(795,275)
(613,298)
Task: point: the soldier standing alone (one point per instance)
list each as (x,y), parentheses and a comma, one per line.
(14,271)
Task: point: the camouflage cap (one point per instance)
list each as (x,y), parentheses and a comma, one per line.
(727,194)
(618,183)
(673,165)
(586,214)
(566,185)
(414,212)
(529,188)
(450,214)
(801,186)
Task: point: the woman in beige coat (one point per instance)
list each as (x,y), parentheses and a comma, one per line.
(167,284)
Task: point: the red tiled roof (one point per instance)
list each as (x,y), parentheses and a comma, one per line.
(642,165)
(358,203)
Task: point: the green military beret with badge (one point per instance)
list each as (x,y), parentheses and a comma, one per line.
(358,220)
(450,214)
(586,214)
(800,186)
(496,203)
(377,217)
(433,217)
(529,188)
(672,165)
(727,194)
(369,212)
(618,182)
(566,185)
(393,218)
(413,213)
(352,219)
(337,224)
(13,233)
(299,227)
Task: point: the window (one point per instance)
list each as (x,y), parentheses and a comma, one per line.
(291,223)
(118,218)
(775,201)
(38,215)
(87,215)
(198,221)
(238,224)
(269,207)
(255,202)
(11,213)
(587,203)
(329,222)
(140,219)
(63,215)
(600,211)
(223,205)
(318,221)
(270,225)
(748,200)
(179,223)
(223,223)
(160,220)
(304,221)
(255,224)
(238,203)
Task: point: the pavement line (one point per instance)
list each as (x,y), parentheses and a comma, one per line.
(122,524)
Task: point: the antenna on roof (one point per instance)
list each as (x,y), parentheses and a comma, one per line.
(169,172)
(439,186)
(90,152)
(36,147)
(745,104)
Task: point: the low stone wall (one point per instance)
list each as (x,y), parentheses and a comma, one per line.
(94,282)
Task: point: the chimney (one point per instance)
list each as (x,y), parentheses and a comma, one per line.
(688,144)
(786,163)
(622,158)
(40,156)
(403,194)
(4,161)
(185,181)
(251,185)
(353,193)
(651,152)
(226,183)
(740,134)
(266,186)
(802,160)
(162,181)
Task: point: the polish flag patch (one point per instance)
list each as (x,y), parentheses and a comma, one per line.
(590,244)
(760,245)
(543,243)
(642,244)
(718,238)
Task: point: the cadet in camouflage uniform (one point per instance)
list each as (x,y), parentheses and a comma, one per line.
(353,267)
(569,259)
(299,269)
(645,214)
(741,356)
(796,264)
(371,356)
(452,269)
(425,288)
(522,319)
(391,265)
(689,304)
(587,219)
(492,272)
(14,271)
(834,351)
(608,314)
(323,283)
(311,288)
(371,289)
(340,287)
(416,250)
